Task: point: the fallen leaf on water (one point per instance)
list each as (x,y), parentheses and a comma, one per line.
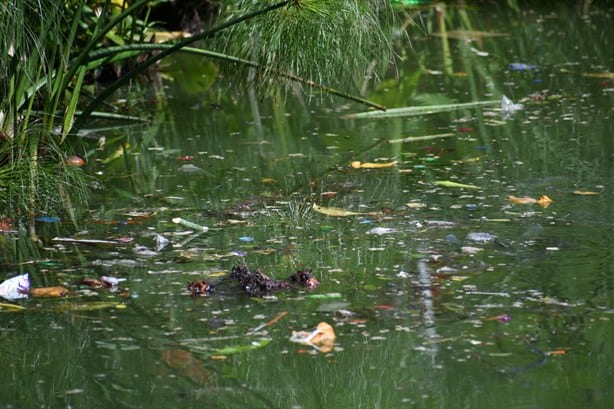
(118,153)
(322,337)
(10,307)
(371,165)
(544,201)
(91,306)
(421,138)
(230,350)
(449,183)
(521,200)
(186,364)
(334,211)
(584,193)
(598,74)
(48,292)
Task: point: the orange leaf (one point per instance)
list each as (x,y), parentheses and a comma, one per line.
(544,201)
(322,338)
(48,292)
(521,200)
(556,352)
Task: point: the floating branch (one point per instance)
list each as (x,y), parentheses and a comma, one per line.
(420,110)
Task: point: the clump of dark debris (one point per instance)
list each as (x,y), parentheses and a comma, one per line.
(258,284)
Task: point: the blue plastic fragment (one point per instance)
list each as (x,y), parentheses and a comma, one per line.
(47,219)
(452,240)
(519,66)
(246,238)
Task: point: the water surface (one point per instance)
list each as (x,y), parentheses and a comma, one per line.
(520,320)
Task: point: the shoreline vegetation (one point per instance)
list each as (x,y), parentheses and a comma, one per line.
(63,62)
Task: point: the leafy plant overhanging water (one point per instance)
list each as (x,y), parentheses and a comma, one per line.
(46,64)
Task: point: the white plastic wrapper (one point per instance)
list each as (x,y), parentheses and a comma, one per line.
(16,287)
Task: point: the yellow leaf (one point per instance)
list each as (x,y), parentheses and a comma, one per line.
(448,183)
(333,211)
(118,153)
(268,180)
(371,165)
(11,307)
(604,75)
(584,193)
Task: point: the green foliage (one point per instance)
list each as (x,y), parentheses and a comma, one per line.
(332,42)
(43,65)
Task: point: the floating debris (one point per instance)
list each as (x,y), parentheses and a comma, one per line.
(258,284)
(305,279)
(381,230)
(199,287)
(321,338)
(508,107)
(15,287)
(479,237)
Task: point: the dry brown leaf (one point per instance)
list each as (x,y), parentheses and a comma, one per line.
(48,292)
(186,364)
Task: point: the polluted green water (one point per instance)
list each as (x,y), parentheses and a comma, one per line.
(449,280)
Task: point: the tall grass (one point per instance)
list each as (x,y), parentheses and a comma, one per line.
(44,46)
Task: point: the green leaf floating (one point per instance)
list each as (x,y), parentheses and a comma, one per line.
(449,183)
(231,350)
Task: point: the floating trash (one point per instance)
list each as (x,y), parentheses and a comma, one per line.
(508,107)
(381,230)
(48,219)
(481,237)
(519,66)
(161,242)
(16,287)
(321,338)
